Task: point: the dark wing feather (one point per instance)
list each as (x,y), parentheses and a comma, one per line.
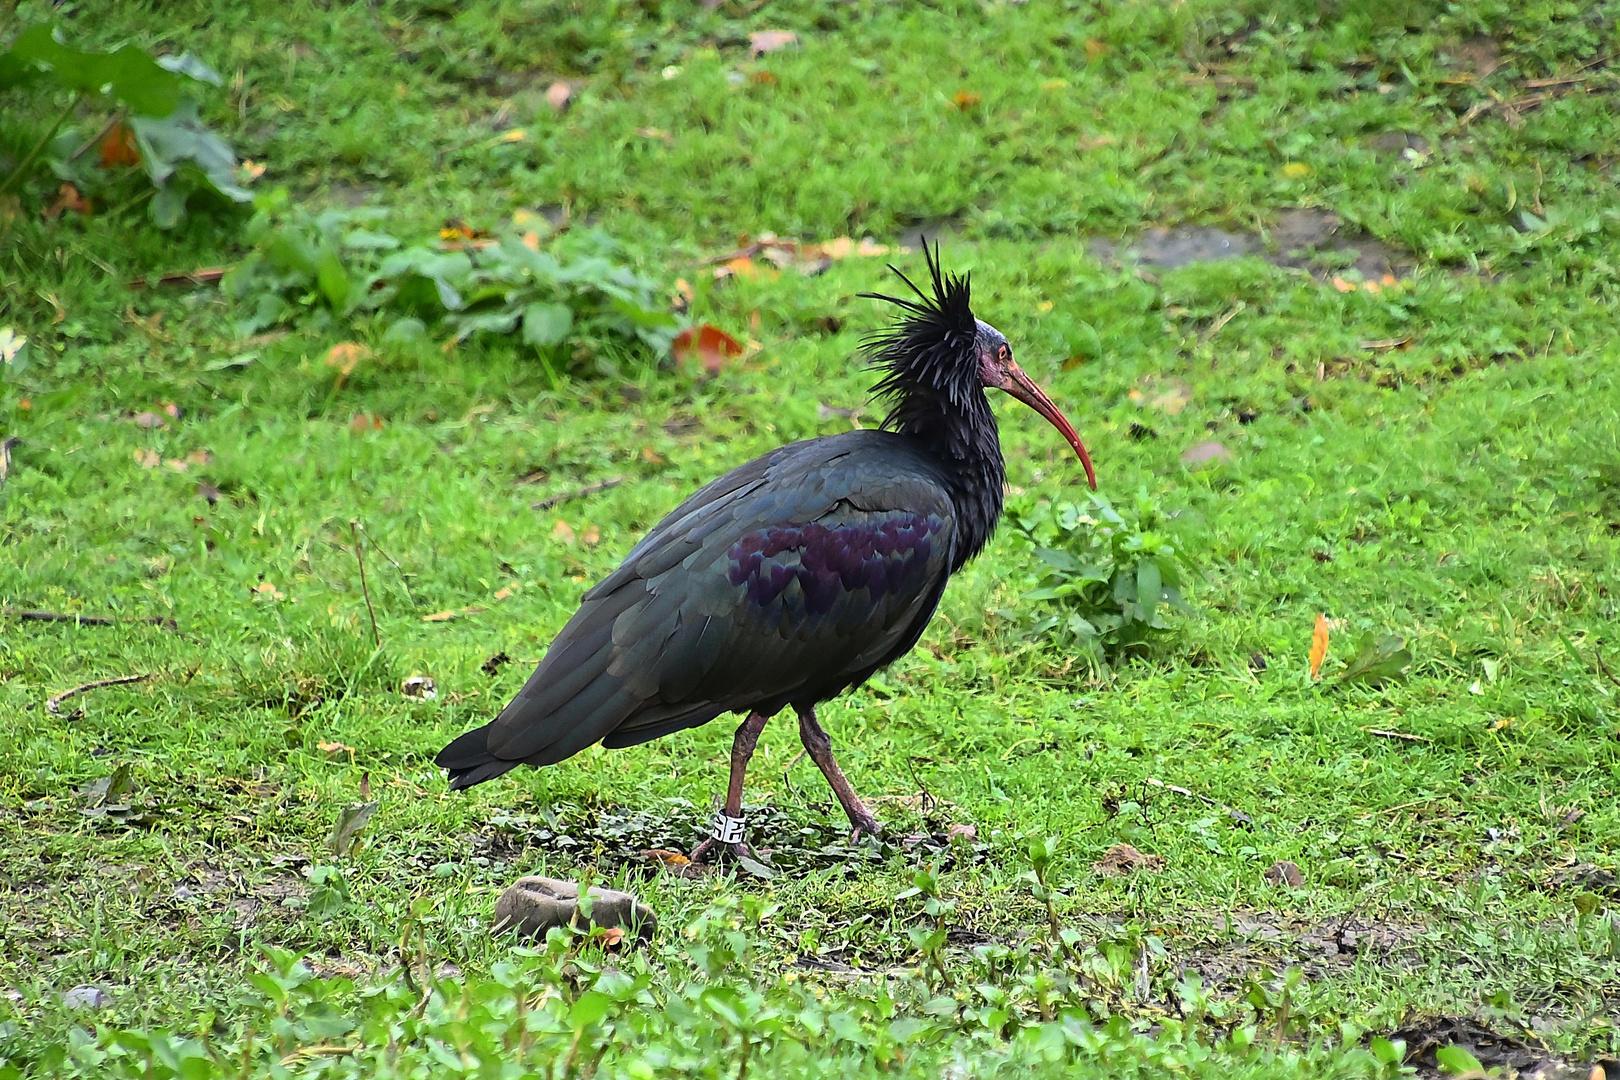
(787,580)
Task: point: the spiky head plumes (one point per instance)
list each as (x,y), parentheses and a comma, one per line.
(930,360)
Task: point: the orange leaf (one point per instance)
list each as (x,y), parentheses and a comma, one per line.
(1096,49)
(1342,285)
(333,748)
(612,935)
(592,536)
(118,148)
(562,531)
(146,459)
(711,345)
(346,356)
(1319,646)
(965,100)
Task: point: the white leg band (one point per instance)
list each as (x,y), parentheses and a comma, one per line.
(727,829)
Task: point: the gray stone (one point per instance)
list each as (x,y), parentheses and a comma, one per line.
(86,997)
(533,905)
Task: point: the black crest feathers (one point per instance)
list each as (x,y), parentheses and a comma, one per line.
(929,349)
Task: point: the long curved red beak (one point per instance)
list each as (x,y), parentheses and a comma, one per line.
(1023,388)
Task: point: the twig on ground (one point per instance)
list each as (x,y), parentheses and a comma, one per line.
(1607,674)
(203,275)
(1394,735)
(354,531)
(106,129)
(404,578)
(87,620)
(54,705)
(588,490)
(1236,814)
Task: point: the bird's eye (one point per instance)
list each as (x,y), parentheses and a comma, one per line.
(1004,354)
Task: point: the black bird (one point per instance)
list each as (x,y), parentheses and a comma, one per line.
(791,578)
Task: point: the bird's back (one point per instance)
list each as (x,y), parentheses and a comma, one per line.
(786,581)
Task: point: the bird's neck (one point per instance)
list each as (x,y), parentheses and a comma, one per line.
(963,436)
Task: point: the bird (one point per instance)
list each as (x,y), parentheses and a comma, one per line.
(792,578)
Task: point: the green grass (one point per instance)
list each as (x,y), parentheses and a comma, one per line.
(1462,491)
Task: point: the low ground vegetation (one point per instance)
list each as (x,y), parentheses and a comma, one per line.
(1327,290)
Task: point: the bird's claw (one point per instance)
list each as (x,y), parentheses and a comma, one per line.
(711,848)
(867,826)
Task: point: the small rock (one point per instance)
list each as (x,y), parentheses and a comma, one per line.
(1283,872)
(1205,454)
(420,687)
(1124,859)
(86,997)
(533,905)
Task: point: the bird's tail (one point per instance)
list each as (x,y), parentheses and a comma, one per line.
(469,761)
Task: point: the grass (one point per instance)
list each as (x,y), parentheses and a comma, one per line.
(1461,490)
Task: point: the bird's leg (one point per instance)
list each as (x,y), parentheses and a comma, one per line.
(742,748)
(819,746)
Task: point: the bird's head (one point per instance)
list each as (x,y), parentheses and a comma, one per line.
(939,350)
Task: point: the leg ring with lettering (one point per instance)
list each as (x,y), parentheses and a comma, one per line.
(727,829)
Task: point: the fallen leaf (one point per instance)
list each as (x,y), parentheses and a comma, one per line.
(559,95)
(683,297)
(363,423)
(505,591)
(762,78)
(563,532)
(346,356)
(334,748)
(869,249)
(1283,872)
(1502,722)
(591,536)
(1096,49)
(1296,170)
(711,346)
(67,198)
(656,133)
(439,616)
(1319,646)
(965,100)
(351,819)
(147,459)
(612,936)
(512,135)
(249,171)
(761,42)
(118,147)
(420,687)
(199,457)
(5,457)
(665,856)
(177,464)
(651,456)
(1342,285)
(1205,454)
(841,248)
(1380,659)
(1124,859)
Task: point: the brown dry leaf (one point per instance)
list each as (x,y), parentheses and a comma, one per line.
(665,856)
(559,95)
(199,457)
(563,532)
(1096,49)
(177,464)
(965,100)
(591,536)
(346,356)
(1123,859)
(170,409)
(118,148)
(761,42)
(612,936)
(265,588)
(711,346)
(656,133)
(67,198)
(149,420)
(1342,285)
(147,459)
(1283,872)
(363,423)
(334,748)
(506,590)
(763,78)
(439,616)
(249,171)
(869,248)
(1319,646)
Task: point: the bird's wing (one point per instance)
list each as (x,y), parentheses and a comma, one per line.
(791,577)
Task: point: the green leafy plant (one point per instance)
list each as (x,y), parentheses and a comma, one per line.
(1109,580)
(149,102)
(573,300)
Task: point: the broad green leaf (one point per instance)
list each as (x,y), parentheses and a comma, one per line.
(1379,660)
(1454,1059)
(1147,588)
(127,74)
(589,1009)
(350,820)
(333,278)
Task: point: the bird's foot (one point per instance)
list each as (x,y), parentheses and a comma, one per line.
(710,849)
(863,824)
